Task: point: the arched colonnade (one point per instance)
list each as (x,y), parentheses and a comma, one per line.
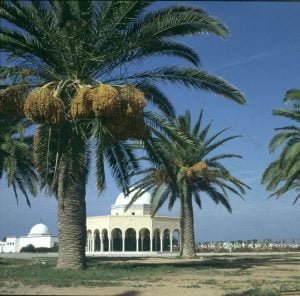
(133,240)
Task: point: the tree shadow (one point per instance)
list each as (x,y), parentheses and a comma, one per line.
(112,259)
(230,262)
(129,293)
(255,292)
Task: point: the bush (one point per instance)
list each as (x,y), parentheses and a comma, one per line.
(54,249)
(28,249)
(31,249)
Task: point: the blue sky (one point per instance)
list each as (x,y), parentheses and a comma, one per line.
(261,58)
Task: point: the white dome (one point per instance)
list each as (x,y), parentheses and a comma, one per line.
(39,229)
(122,200)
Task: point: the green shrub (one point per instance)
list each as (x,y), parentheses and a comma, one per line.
(31,249)
(54,249)
(28,249)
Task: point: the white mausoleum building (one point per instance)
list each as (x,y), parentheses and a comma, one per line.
(133,230)
(39,236)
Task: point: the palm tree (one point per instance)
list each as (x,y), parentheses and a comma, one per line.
(74,62)
(16,158)
(191,172)
(283,174)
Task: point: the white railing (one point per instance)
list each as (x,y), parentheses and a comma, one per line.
(248,245)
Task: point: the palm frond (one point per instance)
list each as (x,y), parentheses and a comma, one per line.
(294,115)
(189,77)
(292,95)
(178,21)
(155,96)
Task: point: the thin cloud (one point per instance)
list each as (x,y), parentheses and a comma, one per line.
(257,56)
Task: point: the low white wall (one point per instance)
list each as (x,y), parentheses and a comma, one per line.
(37,241)
(10,246)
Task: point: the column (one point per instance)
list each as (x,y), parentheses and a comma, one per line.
(151,243)
(93,244)
(101,245)
(171,243)
(161,243)
(137,243)
(142,243)
(123,244)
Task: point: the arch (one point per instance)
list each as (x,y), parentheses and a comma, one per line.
(156,240)
(144,240)
(97,241)
(176,241)
(130,239)
(116,240)
(166,240)
(104,240)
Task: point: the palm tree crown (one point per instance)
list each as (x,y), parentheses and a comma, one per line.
(70,43)
(188,171)
(283,174)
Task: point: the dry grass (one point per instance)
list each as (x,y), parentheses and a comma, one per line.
(267,275)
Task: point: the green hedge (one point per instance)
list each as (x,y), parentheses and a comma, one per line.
(31,249)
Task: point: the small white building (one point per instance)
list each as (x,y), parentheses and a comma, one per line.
(133,230)
(39,236)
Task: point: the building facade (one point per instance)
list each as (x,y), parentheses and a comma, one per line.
(38,236)
(133,230)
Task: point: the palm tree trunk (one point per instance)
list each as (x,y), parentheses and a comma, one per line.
(71,214)
(187,221)
(181,227)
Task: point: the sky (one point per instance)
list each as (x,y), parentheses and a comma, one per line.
(262,58)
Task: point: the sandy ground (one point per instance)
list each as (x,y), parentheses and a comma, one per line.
(213,281)
(114,291)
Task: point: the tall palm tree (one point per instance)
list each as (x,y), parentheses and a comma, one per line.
(75,62)
(16,158)
(283,174)
(188,172)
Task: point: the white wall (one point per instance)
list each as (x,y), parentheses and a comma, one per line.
(15,244)
(10,245)
(37,241)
